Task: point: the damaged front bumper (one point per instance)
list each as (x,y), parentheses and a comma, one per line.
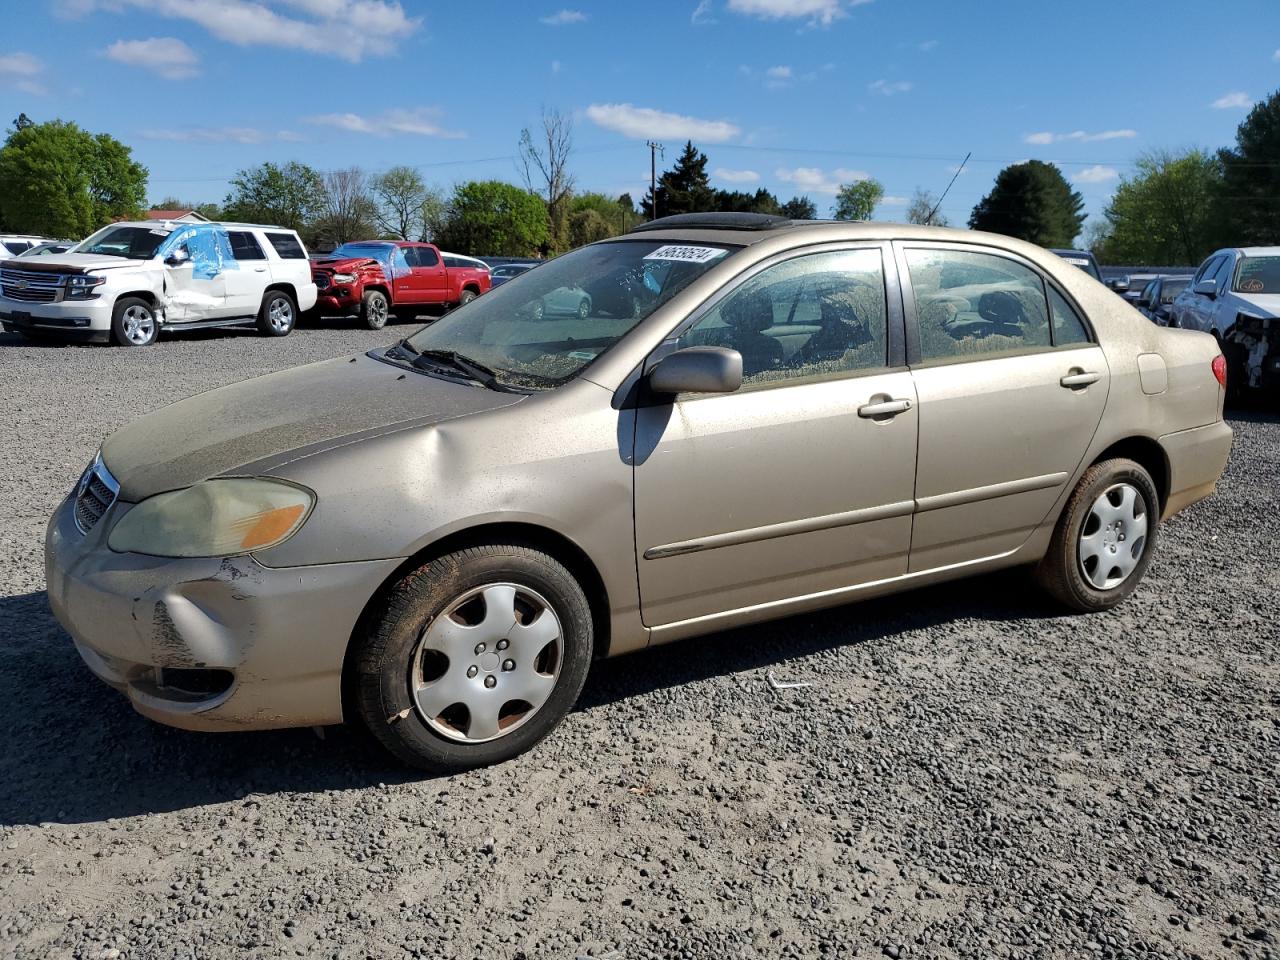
(1258,341)
(208,644)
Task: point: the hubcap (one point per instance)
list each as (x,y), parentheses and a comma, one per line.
(139,324)
(1114,536)
(486,664)
(280,314)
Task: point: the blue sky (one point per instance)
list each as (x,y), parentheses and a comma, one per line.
(793,95)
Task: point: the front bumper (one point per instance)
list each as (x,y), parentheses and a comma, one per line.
(208,644)
(76,319)
(333,302)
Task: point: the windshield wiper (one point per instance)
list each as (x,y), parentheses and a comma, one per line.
(472,369)
(402,347)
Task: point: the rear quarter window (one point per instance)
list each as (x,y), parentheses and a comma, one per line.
(286,246)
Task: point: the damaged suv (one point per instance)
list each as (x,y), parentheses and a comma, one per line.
(128,281)
(1235,295)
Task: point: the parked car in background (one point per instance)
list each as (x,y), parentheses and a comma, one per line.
(1235,295)
(127,282)
(438,537)
(506,271)
(47,247)
(13,245)
(1156,298)
(375,279)
(458,261)
(1084,259)
(1131,286)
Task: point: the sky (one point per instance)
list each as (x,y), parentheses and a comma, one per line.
(793,95)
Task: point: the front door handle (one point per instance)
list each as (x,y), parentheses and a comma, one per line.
(259,269)
(1080,378)
(883,409)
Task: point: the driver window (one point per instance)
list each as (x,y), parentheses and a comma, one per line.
(425,257)
(805,319)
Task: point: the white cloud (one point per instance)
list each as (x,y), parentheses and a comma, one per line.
(420,121)
(814,11)
(1233,101)
(640,123)
(702,13)
(889,88)
(218,135)
(1096,174)
(815,180)
(348,29)
(1078,136)
(563,17)
(778,73)
(735,176)
(20,65)
(167,56)
(926,46)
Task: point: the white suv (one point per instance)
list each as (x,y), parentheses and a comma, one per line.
(129,280)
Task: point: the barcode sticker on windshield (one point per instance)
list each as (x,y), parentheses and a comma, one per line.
(686,254)
(160,233)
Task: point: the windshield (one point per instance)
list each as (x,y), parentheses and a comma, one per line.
(542,327)
(1170,289)
(132,243)
(1258,275)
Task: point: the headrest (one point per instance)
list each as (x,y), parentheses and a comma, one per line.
(1001,306)
(750,311)
(838,308)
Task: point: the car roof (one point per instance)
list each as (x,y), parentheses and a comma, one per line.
(152,224)
(710,228)
(1259,251)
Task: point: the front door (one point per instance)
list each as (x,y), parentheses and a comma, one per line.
(801,481)
(193,294)
(1011,387)
(430,279)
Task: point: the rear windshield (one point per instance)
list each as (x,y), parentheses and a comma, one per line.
(1258,275)
(131,243)
(542,327)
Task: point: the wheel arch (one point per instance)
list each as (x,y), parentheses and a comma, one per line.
(549,541)
(284,287)
(1149,454)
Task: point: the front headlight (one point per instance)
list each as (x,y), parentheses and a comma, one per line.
(81,286)
(214,518)
(344,278)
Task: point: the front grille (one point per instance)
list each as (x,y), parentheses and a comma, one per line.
(31,286)
(95,494)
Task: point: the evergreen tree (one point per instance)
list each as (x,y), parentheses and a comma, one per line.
(1248,203)
(1031,201)
(800,208)
(685,188)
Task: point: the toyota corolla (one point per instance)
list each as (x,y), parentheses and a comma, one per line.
(752,418)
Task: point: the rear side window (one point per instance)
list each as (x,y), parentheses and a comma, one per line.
(245,246)
(976,305)
(287,246)
(1068,328)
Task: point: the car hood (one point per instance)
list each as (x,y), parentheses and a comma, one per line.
(338,264)
(237,429)
(74,263)
(1263,304)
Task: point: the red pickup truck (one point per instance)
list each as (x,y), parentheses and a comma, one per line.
(376,278)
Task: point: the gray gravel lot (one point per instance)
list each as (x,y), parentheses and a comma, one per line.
(970,774)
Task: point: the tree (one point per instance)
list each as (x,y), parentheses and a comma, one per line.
(435,214)
(588,226)
(1031,201)
(210,211)
(62,181)
(615,218)
(401,196)
(762,201)
(292,195)
(22,122)
(1248,202)
(544,163)
(1164,213)
(857,201)
(800,208)
(348,211)
(491,218)
(685,188)
(923,203)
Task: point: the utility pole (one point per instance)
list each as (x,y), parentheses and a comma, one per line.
(654,149)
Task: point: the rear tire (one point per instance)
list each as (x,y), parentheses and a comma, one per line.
(467,297)
(134,323)
(277,315)
(374,309)
(1104,539)
(442,673)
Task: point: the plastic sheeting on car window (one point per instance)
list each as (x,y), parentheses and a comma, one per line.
(388,255)
(208,246)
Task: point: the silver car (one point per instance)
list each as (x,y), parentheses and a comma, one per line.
(754,418)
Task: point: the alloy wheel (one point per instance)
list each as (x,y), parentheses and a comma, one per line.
(139,325)
(1114,536)
(280,315)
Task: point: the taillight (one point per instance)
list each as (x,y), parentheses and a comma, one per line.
(1220,370)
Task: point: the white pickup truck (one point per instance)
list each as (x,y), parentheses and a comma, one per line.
(128,281)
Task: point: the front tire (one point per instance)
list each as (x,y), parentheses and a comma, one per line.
(474,657)
(134,323)
(1104,539)
(277,315)
(374,309)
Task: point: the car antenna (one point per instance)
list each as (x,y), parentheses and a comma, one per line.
(960,169)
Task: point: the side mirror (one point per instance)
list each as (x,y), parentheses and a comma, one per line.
(1206,288)
(177,258)
(1118,284)
(698,370)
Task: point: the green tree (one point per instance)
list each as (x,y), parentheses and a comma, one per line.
(615,218)
(492,218)
(401,195)
(800,208)
(210,211)
(762,201)
(922,209)
(1031,201)
(22,121)
(62,181)
(1248,202)
(685,188)
(588,226)
(290,195)
(1164,213)
(857,200)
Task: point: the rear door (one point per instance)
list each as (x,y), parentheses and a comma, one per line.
(245,285)
(1011,387)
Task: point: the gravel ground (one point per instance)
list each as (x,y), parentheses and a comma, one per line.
(969,773)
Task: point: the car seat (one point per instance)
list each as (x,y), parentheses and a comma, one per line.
(746,315)
(840,329)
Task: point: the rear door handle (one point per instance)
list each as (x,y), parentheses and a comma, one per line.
(259,269)
(1080,379)
(884,408)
